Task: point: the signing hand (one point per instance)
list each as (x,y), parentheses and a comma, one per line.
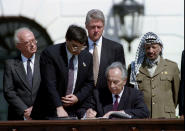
(69,100)
(90,113)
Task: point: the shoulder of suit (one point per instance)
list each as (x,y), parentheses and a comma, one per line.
(9,60)
(112,42)
(132,90)
(85,53)
(53,49)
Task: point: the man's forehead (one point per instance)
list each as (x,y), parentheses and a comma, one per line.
(152,44)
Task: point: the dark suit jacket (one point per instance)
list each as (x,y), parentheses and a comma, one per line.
(16,87)
(181,89)
(110,52)
(54,74)
(131,102)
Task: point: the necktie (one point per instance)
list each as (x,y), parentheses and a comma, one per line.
(95,63)
(29,73)
(115,106)
(70,76)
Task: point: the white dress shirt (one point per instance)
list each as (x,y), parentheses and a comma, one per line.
(98,44)
(114,98)
(24,59)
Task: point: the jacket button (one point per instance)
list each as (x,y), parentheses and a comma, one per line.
(153,103)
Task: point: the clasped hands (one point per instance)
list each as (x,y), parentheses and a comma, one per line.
(27,113)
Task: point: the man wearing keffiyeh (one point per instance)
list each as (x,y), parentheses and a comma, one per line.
(157,77)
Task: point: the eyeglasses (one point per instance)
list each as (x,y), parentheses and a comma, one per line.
(77,47)
(29,42)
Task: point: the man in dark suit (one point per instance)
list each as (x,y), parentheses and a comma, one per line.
(60,94)
(124,99)
(104,51)
(181,89)
(22,76)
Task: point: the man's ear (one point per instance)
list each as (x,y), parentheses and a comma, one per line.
(125,81)
(18,46)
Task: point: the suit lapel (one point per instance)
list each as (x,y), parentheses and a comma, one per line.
(143,69)
(124,99)
(19,68)
(102,59)
(81,65)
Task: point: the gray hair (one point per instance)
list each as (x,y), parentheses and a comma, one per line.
(119,66)
(16,39)
(95,14)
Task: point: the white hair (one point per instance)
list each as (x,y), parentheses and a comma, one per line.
(16,39)
(119,66)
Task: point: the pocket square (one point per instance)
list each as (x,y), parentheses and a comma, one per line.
(84,64)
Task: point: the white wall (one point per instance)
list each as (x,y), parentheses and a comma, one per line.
(164,17)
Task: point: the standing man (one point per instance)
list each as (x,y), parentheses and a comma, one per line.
(125,100)
(181,90)
(67,77)
(22,76)
(156,77)
(104,51)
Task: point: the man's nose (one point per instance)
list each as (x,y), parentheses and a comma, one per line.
(150,50)
(112,84)
(96,29)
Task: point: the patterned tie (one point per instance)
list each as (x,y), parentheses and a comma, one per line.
(95,63)
(70,76)
(29,72)
(115,106)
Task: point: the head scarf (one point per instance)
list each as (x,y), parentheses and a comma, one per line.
(148,38)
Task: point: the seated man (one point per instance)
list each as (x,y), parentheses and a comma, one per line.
(124,99)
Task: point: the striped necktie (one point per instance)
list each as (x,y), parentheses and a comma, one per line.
(70,76)
(29,73)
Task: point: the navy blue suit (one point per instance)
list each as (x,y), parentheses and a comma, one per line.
(54,74)
(110,52)
(131,102)
(181,89)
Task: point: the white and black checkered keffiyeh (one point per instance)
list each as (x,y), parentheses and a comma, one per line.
(148,38)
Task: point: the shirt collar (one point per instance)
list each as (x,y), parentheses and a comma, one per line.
(69,55)
(120,94)
(98,42)
(24,59)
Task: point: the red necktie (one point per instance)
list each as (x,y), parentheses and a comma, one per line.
(115,106)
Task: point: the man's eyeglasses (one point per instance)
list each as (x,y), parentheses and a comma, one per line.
(77,47)
(29,42)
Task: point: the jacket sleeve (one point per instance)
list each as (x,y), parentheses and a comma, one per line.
(139,108)
(49,78)
(176,83)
